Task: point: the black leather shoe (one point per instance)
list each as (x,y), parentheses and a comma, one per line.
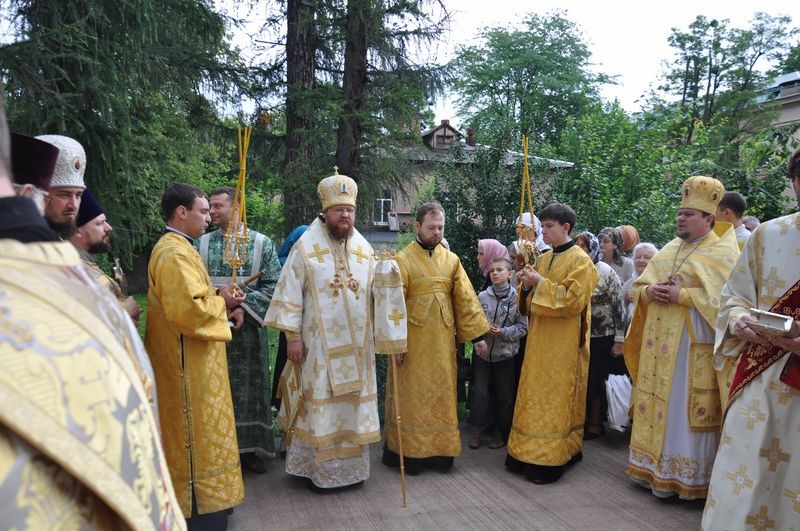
(542,475)
(253,463)
(515,466)
(589,435)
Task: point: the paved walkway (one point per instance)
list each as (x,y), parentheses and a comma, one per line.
(478,493)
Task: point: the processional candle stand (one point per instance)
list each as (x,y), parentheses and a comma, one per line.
(237,236)
(526,242)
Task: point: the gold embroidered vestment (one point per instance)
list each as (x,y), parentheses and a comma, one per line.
(548,416)
(442,305)
(187,327)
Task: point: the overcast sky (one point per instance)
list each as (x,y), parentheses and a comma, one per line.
(626,38)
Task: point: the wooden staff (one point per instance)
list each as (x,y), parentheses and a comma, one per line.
(399,427)
(252,278)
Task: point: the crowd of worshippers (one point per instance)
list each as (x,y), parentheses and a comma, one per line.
(118,432)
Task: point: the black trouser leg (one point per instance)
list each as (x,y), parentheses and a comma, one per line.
(217,521)
(503,391)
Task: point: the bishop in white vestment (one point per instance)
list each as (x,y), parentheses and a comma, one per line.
(337,306)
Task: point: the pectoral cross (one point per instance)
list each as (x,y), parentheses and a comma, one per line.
(336,284)
(319,253)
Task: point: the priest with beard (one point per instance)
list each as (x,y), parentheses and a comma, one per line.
(92,237)
(442,308)
(337,305)
(66,187)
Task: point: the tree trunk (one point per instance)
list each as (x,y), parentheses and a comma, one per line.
(351,121)
(300,50)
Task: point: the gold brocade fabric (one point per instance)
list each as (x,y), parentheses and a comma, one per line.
(548,417)
(441,305)
(651,346)
(79,442)
(101,277)
(187,328)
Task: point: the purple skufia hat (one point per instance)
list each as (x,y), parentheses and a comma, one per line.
(88,210)
(33,161)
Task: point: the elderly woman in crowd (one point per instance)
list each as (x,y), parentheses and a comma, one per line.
(608,321)
(611,253)
(642,254)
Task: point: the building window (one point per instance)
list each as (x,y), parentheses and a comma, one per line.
(383,205)
(444,141)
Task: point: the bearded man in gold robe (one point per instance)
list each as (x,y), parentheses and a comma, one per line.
(79,438)
(187,328)
(756,477)
(442,307)
(547,430)
(676,400)
(337,307)
(93,237)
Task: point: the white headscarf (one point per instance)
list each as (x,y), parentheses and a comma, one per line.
(526,220)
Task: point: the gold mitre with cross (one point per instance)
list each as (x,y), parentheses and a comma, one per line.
(337,190)
(702,193)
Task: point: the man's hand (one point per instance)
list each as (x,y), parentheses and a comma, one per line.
(400,358)
(233,296)
(133,309)
(296,351)
(664,292)
(481,348)
(236,316)
(618,349)
(529,277)
(742,330)
(495,330)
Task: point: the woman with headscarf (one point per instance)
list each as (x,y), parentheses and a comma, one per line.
(489,250)
(607,329)
(611,253)
(529,221)
(630,239)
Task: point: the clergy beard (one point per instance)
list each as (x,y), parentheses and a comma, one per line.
(429,243)
(339,233)
(100,248)
(66,229)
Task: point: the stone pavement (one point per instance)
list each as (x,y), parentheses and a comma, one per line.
(478,493)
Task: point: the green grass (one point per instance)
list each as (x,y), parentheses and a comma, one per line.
(141,299)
